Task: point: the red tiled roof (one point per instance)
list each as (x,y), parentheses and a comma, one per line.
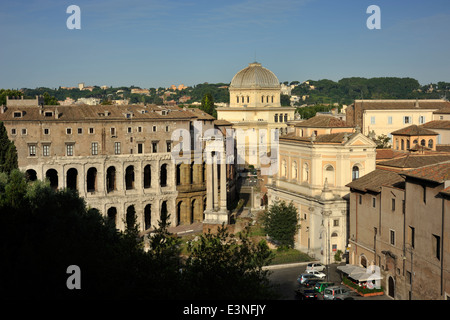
(436,172)
(437,124)
(414,130)
(411,161)
(374,180)
(322,121)
(402,104)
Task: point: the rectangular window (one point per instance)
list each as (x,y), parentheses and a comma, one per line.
(140,148)
(374,202)
(24,131)
(372,120)
(389,120)
(167,128)
(113,132)
(393,205)
(116,147)
(69,150)
(129,130)
(154,147)
(17,114)
(139,129)
(424,194)
(169,146)
(406,119)
(80,130)
(91,130)
(392,237)
(421,119)
(13,131)
(412,235)
(32,150)
(336,223)
(68,130)
(46,150)
(94,148)
(46,131)
(437,246)
(360,199)
(154,128)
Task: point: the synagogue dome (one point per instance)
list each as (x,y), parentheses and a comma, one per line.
(255,76)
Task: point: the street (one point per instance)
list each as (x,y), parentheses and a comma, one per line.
(285,278)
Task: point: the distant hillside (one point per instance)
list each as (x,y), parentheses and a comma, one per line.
(346,90)
(311,92)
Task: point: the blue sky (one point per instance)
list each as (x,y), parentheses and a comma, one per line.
(158,43)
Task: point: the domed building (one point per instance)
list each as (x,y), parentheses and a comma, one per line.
(255,108)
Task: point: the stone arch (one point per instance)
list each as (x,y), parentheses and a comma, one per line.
(130,217)
(91,179)
(147,216)
(72,179)
(363,260)
(391,287)
(355,172)
(328,174)
(110,179)
(31,175)
(112,215)
(147,176)
(163,175)
(129,177)
(52,176)
(164,212)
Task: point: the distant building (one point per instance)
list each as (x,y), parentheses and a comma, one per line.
(255,110)
(399,223)
(313,173)
(386,116)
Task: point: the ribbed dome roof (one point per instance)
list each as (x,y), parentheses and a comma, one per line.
(255,76)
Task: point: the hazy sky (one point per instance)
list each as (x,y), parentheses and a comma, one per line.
(153,43)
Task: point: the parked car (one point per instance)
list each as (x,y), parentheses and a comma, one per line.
(321,286)
(311,282)
(308,294)
(335,293)
(304,276)
(315,266)
(318,274)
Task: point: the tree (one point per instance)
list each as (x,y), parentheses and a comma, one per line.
(8,152)
(280,222)
(383,141)
(208,105)
(223,266)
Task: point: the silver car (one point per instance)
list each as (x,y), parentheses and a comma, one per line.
(335,293)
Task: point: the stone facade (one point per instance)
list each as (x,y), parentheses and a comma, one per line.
(119,158)
(313,172)
(398,223)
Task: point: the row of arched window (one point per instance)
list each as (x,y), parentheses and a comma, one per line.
(111,178)
(404,144)
(246,99)
(280,117)
(328,172)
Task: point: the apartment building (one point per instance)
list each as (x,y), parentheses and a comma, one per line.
(385,116)
(398,222)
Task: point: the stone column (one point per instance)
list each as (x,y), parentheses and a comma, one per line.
(223,182)
(215,182)
(209,187)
